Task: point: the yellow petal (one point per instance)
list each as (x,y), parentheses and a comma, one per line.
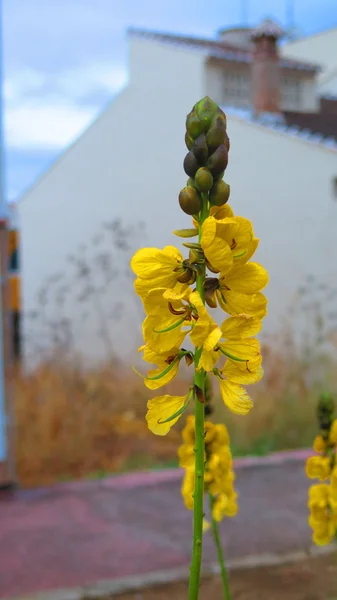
(212,339)
(161,408)
(241,349)
(162,342)
(158,383)
(205,525)
(240,373)
(205,326)
(180,292)
(216,249)
(236,303)
(208,359)
(235,397)
(222,212)
(148,262)
(241,326)
(246,279)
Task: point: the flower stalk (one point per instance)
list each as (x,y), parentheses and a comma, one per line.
(221,558)
(177,292)
(199,381)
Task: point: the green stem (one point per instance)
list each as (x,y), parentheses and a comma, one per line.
(221,559)
(198,513)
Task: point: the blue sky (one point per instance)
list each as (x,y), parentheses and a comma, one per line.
(65,59)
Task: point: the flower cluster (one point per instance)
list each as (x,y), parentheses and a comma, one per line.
(219,263)
(219,475)
(323,496)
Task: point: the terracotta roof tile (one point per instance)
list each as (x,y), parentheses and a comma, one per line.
(218,49)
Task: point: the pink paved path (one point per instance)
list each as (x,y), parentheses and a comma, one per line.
(78,533)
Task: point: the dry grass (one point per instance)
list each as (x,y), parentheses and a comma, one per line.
(74,423)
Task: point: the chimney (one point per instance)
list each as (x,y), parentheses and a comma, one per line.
(266,93)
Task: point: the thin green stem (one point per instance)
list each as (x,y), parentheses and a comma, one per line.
(221,559)
(199,380)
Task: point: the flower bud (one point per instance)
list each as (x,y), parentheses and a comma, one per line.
(206,110)
(194,126)
(204,179)
(187,276)
(218,161)
(216,134)
(200,149)
(219,193)
(190,201)
(191,164)
(189,141)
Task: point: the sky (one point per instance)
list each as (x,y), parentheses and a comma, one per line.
(64,60)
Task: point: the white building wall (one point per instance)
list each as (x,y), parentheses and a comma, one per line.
(320,49)
(128,165)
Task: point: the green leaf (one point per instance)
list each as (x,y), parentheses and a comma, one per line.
(186,233)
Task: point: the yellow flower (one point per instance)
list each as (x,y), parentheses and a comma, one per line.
(168,315)
(187,488)
(167,366)
(238,346)
(319,444)
(156,268)
(161,408)
(227,241)
(318,467)
(205,331)
(225,505)
(238,291)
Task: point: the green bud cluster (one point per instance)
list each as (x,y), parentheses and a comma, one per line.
(208,144)
(325,413)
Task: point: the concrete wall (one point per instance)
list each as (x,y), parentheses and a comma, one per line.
(128,165)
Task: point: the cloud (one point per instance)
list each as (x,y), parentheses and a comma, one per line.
(44,112)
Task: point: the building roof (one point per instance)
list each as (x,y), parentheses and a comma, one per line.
(218,49)
(317,128)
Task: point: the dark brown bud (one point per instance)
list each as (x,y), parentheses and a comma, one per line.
(187,276)
(204,179)
(218,161)
(219,193)
(216,135)
(210,298)
(194,126)
(199,394)
(190,201)
(191,164)
(189,141)
(200,149)
(189,359)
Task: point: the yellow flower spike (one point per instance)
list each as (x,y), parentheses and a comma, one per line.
(162,408)
(235,397)
(318,467)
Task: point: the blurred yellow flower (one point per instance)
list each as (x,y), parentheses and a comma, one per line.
(318,467)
